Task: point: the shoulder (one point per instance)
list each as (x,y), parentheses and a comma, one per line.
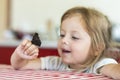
(102,62)
(105,61)
(52,63)
(50,58)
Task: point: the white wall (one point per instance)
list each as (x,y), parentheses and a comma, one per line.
(33,13)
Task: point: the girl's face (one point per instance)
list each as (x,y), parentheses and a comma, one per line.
(74,42)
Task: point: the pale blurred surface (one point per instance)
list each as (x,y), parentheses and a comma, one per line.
(14,43)
(21,18)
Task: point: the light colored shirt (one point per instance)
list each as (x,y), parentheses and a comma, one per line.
(55,63)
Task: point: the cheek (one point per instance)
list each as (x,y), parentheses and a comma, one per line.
(59,43)
(59,46)
(81,54)
(81,50)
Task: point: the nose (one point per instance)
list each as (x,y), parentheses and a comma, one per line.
(65,40)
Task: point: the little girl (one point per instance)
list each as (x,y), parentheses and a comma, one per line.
(84,38)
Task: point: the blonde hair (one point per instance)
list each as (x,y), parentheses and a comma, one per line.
(98,27)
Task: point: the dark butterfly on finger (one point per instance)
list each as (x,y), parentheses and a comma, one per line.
(36,40)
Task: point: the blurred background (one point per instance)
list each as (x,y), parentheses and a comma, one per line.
(19,19)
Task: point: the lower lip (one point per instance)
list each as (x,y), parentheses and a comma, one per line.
(65,52)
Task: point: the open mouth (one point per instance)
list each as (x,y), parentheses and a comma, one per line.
(66,51)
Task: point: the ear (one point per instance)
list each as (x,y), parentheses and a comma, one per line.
(99,49)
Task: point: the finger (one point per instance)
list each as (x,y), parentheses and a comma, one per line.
(28,57)
(34,52)
(24,42)
(32,49)
(27,45)
(20,48)
(33,56)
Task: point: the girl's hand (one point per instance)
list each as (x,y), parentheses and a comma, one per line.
(27,50)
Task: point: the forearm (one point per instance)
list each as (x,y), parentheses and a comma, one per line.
(20,63)
(111,70)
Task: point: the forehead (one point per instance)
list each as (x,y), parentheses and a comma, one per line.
(74,22)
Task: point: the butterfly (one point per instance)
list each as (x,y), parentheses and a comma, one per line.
(36,40)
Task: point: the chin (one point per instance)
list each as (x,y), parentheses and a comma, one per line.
(66,61)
